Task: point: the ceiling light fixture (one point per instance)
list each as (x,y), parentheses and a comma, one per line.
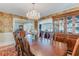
(33,14)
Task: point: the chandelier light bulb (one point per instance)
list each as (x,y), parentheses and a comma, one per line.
(33,14)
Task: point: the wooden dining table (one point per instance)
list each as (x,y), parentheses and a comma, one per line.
(53,49)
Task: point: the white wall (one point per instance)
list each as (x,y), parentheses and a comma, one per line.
(6,38)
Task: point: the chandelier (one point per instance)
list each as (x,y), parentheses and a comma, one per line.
(33,14)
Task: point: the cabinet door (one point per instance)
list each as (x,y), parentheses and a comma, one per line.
(77,24)
(69,24)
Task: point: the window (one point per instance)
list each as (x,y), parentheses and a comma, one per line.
(61,25)
(77,24)
(43,27)
(69,24)
(56,26)
(47,27)
(29,26)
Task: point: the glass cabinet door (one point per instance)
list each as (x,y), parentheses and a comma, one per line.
(61,25)
(56,26)
(69,24)
(77,24)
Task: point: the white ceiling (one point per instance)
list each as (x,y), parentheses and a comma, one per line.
(44,8)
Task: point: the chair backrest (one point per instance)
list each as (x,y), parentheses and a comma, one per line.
(76,48)
(27,48)
(59,37)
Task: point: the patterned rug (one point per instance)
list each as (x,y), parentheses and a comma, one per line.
(8,50)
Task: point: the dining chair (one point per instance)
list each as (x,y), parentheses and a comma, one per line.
(76,49)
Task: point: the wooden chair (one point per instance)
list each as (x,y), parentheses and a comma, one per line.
(22,46)
(27,48)
(76,49)
(60,37)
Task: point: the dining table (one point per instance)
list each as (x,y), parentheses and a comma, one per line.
(53,49)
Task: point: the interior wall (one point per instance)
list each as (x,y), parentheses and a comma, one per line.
(6,29)
(5,23)
(6,36)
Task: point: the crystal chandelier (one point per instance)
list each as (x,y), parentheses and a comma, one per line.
(33,14)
